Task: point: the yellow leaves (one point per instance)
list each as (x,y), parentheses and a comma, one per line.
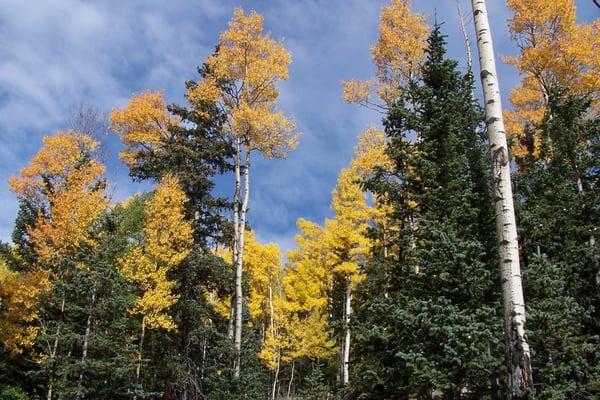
(241,79)
(402,43)
(554,50)
(398,55)
(270,132)
(167,241)
(247,54)
(357,91)
(541,18)
(64,181)
(168,235)
(263,263)
(143,124)
(19,301)
(60,154)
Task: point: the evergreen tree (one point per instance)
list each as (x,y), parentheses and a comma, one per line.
(558,191)
(429,317)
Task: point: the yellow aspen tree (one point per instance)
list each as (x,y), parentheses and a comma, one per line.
(143,125)
(19,307)
(263,263)
(306,282)
(167,242)
(64,182)
(397,55)
(346,234)
(554,49)
(241,80)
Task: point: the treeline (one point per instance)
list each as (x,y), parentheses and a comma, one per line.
(168,294)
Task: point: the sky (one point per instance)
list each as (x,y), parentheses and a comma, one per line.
(55,54)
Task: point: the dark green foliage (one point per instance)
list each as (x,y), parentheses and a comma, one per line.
(314,386)
(13,393)
(558,210)
(429,315)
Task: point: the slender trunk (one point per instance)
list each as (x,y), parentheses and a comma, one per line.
(517,348)
(54,349)
(240,264)
(236,231)
(139,363)
(276,378)
(289,391)
(86,339)
(463,28)
(231,318)
(346,347)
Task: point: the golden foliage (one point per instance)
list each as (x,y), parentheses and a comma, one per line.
(554,50)
(263,263)
(398,54)
(65,182)
(19,307)
(241,80)
(49,169)
(143,124)
(167,242)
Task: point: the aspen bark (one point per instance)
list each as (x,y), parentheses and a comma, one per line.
(86,339)
(54,349)
(289,391)
(239,263)
(139,363)
(236,233)
(517,348)
(346,346)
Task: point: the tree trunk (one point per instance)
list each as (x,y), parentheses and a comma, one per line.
(289,391)
(139,363)
(54,349)
(346,346)
(236,233)
(463,29)
(240,263)
(276,378)
(517,348)
(86,339)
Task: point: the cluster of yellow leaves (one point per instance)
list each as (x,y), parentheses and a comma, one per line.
(19,307)
(143,124)
(167,242)
(263,263)
(268,131)
(555,49)
(398,54)
(241,80)
(49,169)
(65,182)
(305,285)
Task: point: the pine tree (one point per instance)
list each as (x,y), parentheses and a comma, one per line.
(429,313)
(558,221)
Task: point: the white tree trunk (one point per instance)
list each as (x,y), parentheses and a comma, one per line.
(517,347)
(86,340)
(346,345)
(138,369)
(236,233)
(239,263)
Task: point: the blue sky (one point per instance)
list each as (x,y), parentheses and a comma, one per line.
(57,53)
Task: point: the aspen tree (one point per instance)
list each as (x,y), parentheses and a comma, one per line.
(63,180)
(167,242)
(517,348)
(397,55)
(241,80)
(554,50)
